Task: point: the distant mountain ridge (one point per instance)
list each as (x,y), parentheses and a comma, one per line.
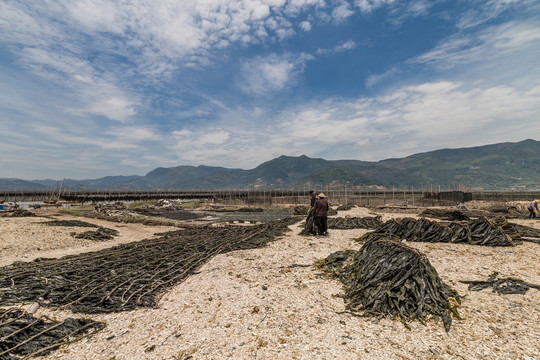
(498,166)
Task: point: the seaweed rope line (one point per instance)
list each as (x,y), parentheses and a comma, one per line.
(50,347)
(61,341)
(13,319)
(20,330)
(192,257)
(216,250)
(88,293)
(32,338)
(143,249)
(185,260)
(138,278)
(220,249)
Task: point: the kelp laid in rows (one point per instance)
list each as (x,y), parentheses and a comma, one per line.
(482,231)
(23,336)
(355,223)
(69,223)
(125,276)
(528,233)
(388,278)
(507,285)
(343,223)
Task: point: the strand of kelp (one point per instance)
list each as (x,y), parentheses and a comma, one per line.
(125,276)
(507,285)
(23,336)
(388,278)
(482,231)
(355,223)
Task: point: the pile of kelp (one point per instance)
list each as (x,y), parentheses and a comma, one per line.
(507,285)
(388,278)
(101,234)
(367,222)
(22,335)
(125,276)
(22,213)
(482,231)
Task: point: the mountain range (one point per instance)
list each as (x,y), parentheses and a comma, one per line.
(497,166)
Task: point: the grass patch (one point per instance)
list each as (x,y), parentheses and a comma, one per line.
(73,212)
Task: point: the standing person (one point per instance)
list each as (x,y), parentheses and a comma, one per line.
(321,214)
(312,199)
(533,209)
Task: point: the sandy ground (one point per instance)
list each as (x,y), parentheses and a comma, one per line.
(270,303)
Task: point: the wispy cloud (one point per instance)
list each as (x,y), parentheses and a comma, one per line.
(410,119)
(494,41)
(342,46)
(491,9)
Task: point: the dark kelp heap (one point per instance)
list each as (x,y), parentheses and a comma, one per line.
(501,285)
(22,213)
(23,336)
(482,231)
(388,278)
(125,276)
(100,234)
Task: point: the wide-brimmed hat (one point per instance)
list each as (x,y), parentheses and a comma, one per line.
(321,195)
(311,192)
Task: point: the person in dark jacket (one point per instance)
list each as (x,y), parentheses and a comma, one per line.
(321,214)
(313,198)
(533,209)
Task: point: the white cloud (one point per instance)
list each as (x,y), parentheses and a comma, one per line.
(342,12)
(305,25)
(347,45)
(368,6)
(72,42)
(272,73)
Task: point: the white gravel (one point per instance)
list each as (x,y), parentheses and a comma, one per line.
(270,303)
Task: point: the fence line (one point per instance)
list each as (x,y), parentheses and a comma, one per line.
(337,195)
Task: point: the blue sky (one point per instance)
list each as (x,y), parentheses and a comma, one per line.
(90,88)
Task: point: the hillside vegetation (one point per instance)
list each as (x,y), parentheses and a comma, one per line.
(499,166)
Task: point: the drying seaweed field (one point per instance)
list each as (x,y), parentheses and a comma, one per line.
(248,283)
